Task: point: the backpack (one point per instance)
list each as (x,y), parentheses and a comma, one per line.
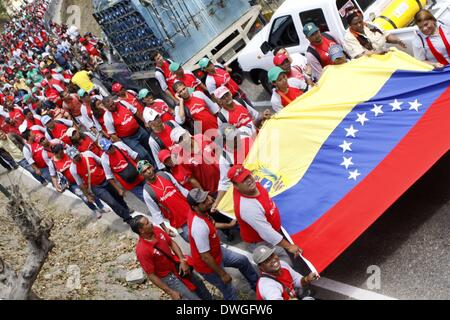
(316,54)
(158,139)
(129,174)
(152,193)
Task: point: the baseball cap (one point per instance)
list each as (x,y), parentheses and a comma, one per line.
(279,59)
(116,87)
(81,93)
(176,134)
(163,155)
(45,119)
(274,73)
(150,115)
(23,127)
(142,165)
(262,253)
(143,93)
(220,92)
(203,63)
(238,173)
(57,148)
(309,29)
(196,196)
(72,152)
(105,144)
(174,66)
(70,132)
(335,52)
(44,83)
(229,131)
(45,71)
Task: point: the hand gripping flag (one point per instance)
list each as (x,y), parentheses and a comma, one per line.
(337,157)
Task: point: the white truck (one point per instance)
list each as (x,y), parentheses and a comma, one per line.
(286,28)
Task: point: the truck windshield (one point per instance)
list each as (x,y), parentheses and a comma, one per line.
(283,33)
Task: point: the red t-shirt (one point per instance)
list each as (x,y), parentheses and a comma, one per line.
(204,165)
(151,259)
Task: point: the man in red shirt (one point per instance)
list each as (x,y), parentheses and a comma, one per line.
(197,108)
(257,214)
(127,96)
(62,162)
(187,77)
(159,133)
(278,280)
(163,74)
(119,163)
(158,105)
(165,199)
(179,172)
(208,256)
(88,173)
(121,125)
(319,46)
(285,89)
(198,156)
(165,264)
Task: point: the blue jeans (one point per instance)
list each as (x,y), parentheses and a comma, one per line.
(184,232)
(24,164)
(45,173)
(138,191)
(233,260)
(139,143)
(108,193)
(75,189)
(201,293)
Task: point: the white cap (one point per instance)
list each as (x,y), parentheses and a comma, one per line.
(23,126)
(70,132)
(177,133)
(150,115)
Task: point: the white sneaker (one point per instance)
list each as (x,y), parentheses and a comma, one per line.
(104,210)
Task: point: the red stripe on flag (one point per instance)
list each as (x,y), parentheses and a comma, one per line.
(416,153)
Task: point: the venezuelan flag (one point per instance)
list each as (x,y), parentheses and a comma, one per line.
(337,157)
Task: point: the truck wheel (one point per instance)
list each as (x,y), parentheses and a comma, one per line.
(264,81)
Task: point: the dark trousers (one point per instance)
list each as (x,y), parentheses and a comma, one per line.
(108,194)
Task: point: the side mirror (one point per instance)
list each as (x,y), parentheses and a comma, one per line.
(265,47)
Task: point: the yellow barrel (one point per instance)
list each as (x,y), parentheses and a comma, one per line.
(399,14)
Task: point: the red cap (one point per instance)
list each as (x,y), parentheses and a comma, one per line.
(82,40)
(44,83)
(45,71)
(116,87)
(279,59)
(163,155)
(238,173)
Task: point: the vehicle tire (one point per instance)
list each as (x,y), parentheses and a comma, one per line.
(264,81)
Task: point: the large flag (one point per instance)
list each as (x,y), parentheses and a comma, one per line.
(337,157)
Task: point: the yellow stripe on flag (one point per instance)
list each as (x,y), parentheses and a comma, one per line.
(289,142)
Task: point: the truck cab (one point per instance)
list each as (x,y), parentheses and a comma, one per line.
(286,29)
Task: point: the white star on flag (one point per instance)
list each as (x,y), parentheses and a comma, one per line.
(346,146)
(362,118)
(396,105)
(347,162)
(351,131)
(377,109)
(414,105)
(354,174)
